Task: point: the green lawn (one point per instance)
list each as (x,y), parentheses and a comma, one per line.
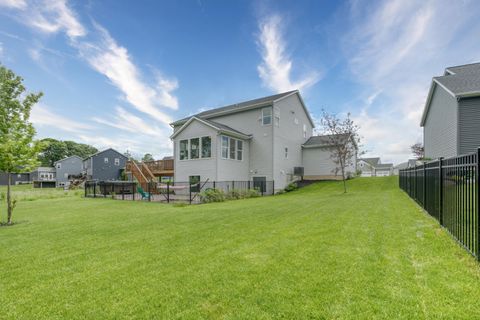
(313,253)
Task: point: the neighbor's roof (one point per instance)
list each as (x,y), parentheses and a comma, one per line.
(74,156)
(100,152)
(402,165)
(384,166)
(321,141)
(214,125)
(245,105)
(48,169)
(371,161)
(459,81)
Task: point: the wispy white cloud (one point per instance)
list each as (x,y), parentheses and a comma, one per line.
(43,116)
(15,4)
(114,62)
(394,48)
(276,67)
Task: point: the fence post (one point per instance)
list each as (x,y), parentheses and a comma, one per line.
(168,192)
(123,191)
(440,187)
(233,185)
(133,185)
(273,187)
(190,192)
(94,189)
(149,192)
(85,188)
(213,185)
(477,206)
(424,186)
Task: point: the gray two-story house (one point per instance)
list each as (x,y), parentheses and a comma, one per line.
(105,165)
(66,168)
(258,140)
(451,117)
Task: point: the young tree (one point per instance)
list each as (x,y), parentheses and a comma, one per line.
(148,157)
(18,150)
(418,150)
(343,140)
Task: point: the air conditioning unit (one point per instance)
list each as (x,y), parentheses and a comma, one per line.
(298,171)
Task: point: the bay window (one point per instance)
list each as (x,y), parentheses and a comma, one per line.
(232,148)
(206,147)
(183,149)
(194,148)
(225,147)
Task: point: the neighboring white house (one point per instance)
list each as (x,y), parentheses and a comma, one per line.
(373,167)
(258,140)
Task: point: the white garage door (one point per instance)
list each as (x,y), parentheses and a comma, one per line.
(383,173)
(366,174)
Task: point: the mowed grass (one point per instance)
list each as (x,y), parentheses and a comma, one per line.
(313,253)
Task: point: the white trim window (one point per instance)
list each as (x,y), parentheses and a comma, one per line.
(59,165)
(232,148)
(206,147)
(194,148)
(117,161)
(266,116)
(225,141)
(105,160)
(183,147)
(239,150)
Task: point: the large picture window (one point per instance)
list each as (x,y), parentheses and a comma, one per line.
(266,116)
(194,148)
(183,149)
(206,147)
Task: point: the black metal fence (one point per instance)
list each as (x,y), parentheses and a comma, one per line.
(448,189)
(171,192)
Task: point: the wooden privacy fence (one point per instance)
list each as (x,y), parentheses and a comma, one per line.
(448,189)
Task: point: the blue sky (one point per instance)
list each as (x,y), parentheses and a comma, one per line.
(114,73)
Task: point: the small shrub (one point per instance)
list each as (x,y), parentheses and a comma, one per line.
(281,191)
(252,193)
(292,186)
(212,195)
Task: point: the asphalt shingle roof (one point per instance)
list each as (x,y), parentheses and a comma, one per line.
(237,106)
(224,127)
(321,141)
(464,80)
(371,161)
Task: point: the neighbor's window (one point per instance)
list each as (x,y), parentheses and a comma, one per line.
(59,165)
(225,147)
(183,149)
(105,160)
(266,116)
(239,150)
(194,148)
(206,147)
(117,161)
(286,153)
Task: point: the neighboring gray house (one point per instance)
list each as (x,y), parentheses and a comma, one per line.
(400,166)
(256,140)
(451,118)
(16,178)
(317,160)
(105,165)
(43,174)
(71,166)
(373,167)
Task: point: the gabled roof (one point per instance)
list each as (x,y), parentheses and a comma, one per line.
(221,128)
(384,166)
(402,165)
(61,160)
(321,141)
(100,152)
(371,161)
(48,169)
(245,105)
(459,81)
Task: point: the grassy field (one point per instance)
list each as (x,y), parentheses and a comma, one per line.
(313,253)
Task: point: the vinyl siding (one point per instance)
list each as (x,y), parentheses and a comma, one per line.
(233,170)
(318,162)
(289,134)
(70,166)
(469,125)
(107,171)
(440,129)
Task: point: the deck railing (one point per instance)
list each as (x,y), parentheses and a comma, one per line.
(448,189)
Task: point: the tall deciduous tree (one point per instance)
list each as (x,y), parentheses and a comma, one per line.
(18,150)
(343,140)
(148,157)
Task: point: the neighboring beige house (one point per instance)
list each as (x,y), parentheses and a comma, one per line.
(265,139)
(373,167)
